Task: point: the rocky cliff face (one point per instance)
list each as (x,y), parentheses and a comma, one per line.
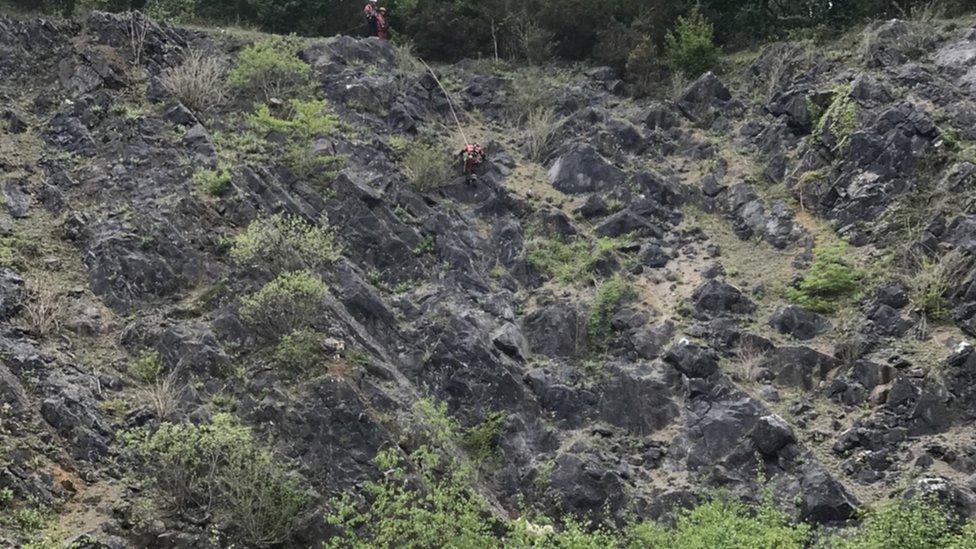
(709,208)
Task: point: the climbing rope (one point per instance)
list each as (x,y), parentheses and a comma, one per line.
(449,102)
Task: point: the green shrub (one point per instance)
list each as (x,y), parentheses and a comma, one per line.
(427,167)
(288,303)
(605,304)
(840,117)
(481,441)
(212,182)
(300,350)
(829,281)
(272,69)
(219,468)
(916,524)
(285,243)
(301,123)
(446,513)
(148,367)
(572,261)
(690,47)
(303,120)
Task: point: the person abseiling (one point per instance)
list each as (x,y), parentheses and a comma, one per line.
(472,155)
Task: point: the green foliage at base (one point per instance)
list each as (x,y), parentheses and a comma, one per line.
(148,367)
(445,514)
(427,167)
(840,117)
(272,69)
(690,47)
(481,440)
(572,261)
(917,524)
(285,243)
(220,469)
(290,302)
(301,123)
(300,350)
(212,182)
(830,281)
(605,304)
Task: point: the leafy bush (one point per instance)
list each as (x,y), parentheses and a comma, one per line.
(303,120)
(300,124)
(916,524)
(212,182)
(605,304)
(829,281)
(148,367)
(690,47)
(481,440)
(220,468)
(199,83)
(571,261)
(427,167)
(285,243)
(272,69)
(288,303)
(839,120)
(300,350)
(446,513)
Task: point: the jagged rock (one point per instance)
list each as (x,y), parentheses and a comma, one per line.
(718,298)
(11,293)
(595,206)
(798,366)
(660,116)
(960,499)
(793,107)
(510,340)
(12,393)
(583,484)
(15,122)
(17,201)
(650,341)
(704,96)
(887,321)
(71,408)
(893,295)
(582,170)
(823,499)
(771,434)
(555,331)
(652,255)
(626,222)
(181,116)
(692,360)
(642,400)
(799,323)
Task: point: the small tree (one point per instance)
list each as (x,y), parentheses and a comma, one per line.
(288,303)
(272,69)
(690,47)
